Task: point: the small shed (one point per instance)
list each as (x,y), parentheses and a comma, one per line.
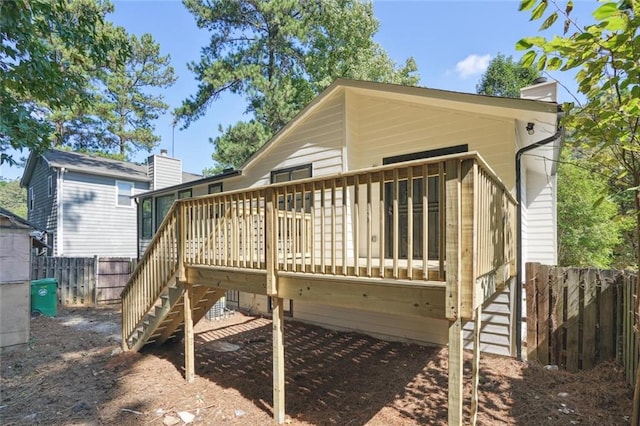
(17,238)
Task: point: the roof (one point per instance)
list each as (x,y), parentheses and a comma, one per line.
(188,184)
(17,221)
(492,105)
(87,163)
(190,177)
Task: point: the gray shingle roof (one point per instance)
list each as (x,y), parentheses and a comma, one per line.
(96,165)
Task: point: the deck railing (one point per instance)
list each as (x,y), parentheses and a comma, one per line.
(387,222)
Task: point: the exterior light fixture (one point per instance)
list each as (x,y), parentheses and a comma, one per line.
(530,128)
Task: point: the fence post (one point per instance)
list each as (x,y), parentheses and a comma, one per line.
(96,279)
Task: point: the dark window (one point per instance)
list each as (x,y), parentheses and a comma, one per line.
(147,219)
(215,188)
(433,208)
(163,204)
(187,193)
(290,174)
(32,198)
(50,186)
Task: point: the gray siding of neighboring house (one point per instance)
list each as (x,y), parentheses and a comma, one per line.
(166,171)
(92,222)
(44,213)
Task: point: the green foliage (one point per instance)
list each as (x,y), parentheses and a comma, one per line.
(504,77)
(589,225)
(44,45)
(279,55)
(13,197)
(606,55)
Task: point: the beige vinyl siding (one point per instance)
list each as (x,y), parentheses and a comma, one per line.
(93,224)
(541,219)
(377,324)
(318,140)
(389,128)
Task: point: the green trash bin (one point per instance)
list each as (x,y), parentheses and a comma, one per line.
(44,296)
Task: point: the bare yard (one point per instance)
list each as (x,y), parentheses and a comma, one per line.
(73,373)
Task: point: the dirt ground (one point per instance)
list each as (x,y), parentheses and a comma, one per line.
(73,373)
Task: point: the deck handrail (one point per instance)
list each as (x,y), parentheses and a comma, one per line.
(386,222)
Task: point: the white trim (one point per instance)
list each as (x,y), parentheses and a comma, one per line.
(129,196)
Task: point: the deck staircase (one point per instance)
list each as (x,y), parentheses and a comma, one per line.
(155,281)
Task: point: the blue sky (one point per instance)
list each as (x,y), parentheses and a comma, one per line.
(451,41)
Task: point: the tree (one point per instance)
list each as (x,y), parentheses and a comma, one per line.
(126,109)
(13,197)
(590,227)
(34,73)
(504,77)
(279,55)
(607,54)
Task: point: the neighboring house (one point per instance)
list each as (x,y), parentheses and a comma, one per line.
(355,125)
(17,237)
(86,202)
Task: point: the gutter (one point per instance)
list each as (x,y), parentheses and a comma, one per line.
(519,154)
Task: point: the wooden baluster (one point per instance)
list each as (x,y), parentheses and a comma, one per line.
(322,227)
(425,222)
(333,227)
(369,225)
(442,220)
(345,241)
(303,230)
(381,220)
(396,228)
(356,225)
(410,223)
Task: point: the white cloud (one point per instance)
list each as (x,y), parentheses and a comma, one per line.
(472,65)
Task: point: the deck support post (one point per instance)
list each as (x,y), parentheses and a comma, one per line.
(271,257)
(453,290)
(189,355)
(278,360)
(475,374)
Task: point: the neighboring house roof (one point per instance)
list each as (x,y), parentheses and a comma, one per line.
(38,234)
(92,164)
(190,177)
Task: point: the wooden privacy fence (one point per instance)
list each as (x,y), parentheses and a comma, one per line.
(579,317)
(85,281)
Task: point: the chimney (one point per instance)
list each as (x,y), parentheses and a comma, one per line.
(541,90)
(164,170)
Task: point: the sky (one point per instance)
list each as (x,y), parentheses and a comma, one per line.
(451,41)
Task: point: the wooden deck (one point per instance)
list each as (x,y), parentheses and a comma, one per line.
(428,238)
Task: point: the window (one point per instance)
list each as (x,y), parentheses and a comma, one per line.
(163,204)
(50,186)
(187,193)
(32,198)
(124,192)
(215,188)
(147,218)
(287,175)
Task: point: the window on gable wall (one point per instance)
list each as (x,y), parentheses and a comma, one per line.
(50,186)
(124,192)
(32,198)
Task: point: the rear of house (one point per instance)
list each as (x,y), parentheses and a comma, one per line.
(356,125)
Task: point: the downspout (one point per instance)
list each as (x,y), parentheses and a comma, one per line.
(60,218)
(519,154)
(138,216)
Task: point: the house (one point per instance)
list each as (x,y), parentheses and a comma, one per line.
(355,125)
(85,202)
(405,213)
(17,237)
